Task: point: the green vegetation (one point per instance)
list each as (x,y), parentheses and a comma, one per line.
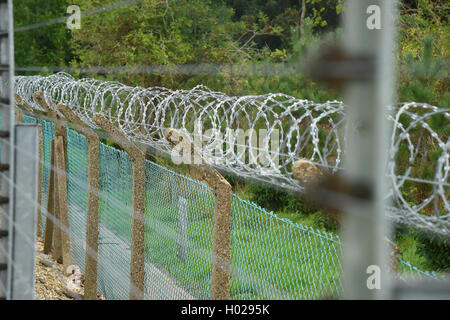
(47,46)
(169,33)
(304,263)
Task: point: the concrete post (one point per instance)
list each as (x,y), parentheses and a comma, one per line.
(221,255)
(30,109)
(57,241)
(90,286)
(23,103)
(137,270)
(48,237)
(61,200)
(19,116)
(60,124)
(60,131)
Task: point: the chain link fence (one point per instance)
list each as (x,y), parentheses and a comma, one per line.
(271,257)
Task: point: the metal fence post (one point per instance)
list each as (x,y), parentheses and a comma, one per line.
(40,165)
(221,251)
(365,225)
(30,109)
(8,135)
(137,270)
(90,287)
(24,219)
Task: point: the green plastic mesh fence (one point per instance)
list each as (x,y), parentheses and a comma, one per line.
(179,216)
(278,259)
(77,191)
(115,206)
(28,119)
(272,258)
(410,272)
(48,133)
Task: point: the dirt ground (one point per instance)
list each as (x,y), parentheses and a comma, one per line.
(50,283)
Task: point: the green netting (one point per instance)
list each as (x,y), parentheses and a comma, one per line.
(179,213)
(77,191)
(28,119)
(272,258)
(115,206)
(408,271)
(48,133)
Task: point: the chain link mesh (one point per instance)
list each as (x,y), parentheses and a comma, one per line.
(179,213)
(272,257)
(115,207)
(48,134)
(77,191)
(282,260)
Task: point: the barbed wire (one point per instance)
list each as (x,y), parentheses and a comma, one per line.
(287,129)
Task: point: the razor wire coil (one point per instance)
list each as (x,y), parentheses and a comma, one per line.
(305,130)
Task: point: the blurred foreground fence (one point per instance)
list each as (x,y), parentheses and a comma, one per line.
(271,258)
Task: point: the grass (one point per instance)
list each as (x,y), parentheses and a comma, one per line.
(421,251)
(271,257)
(409,248)
(284,255)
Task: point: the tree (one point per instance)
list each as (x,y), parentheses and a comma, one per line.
(424,79)
(44,46)
(419,18)
(155,32)
(285,15)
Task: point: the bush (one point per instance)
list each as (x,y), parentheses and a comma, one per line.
(423,249)
(435,249)
(272,199)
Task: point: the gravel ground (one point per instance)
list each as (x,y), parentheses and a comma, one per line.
(50,283)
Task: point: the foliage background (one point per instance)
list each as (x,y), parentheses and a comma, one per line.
(183,32)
